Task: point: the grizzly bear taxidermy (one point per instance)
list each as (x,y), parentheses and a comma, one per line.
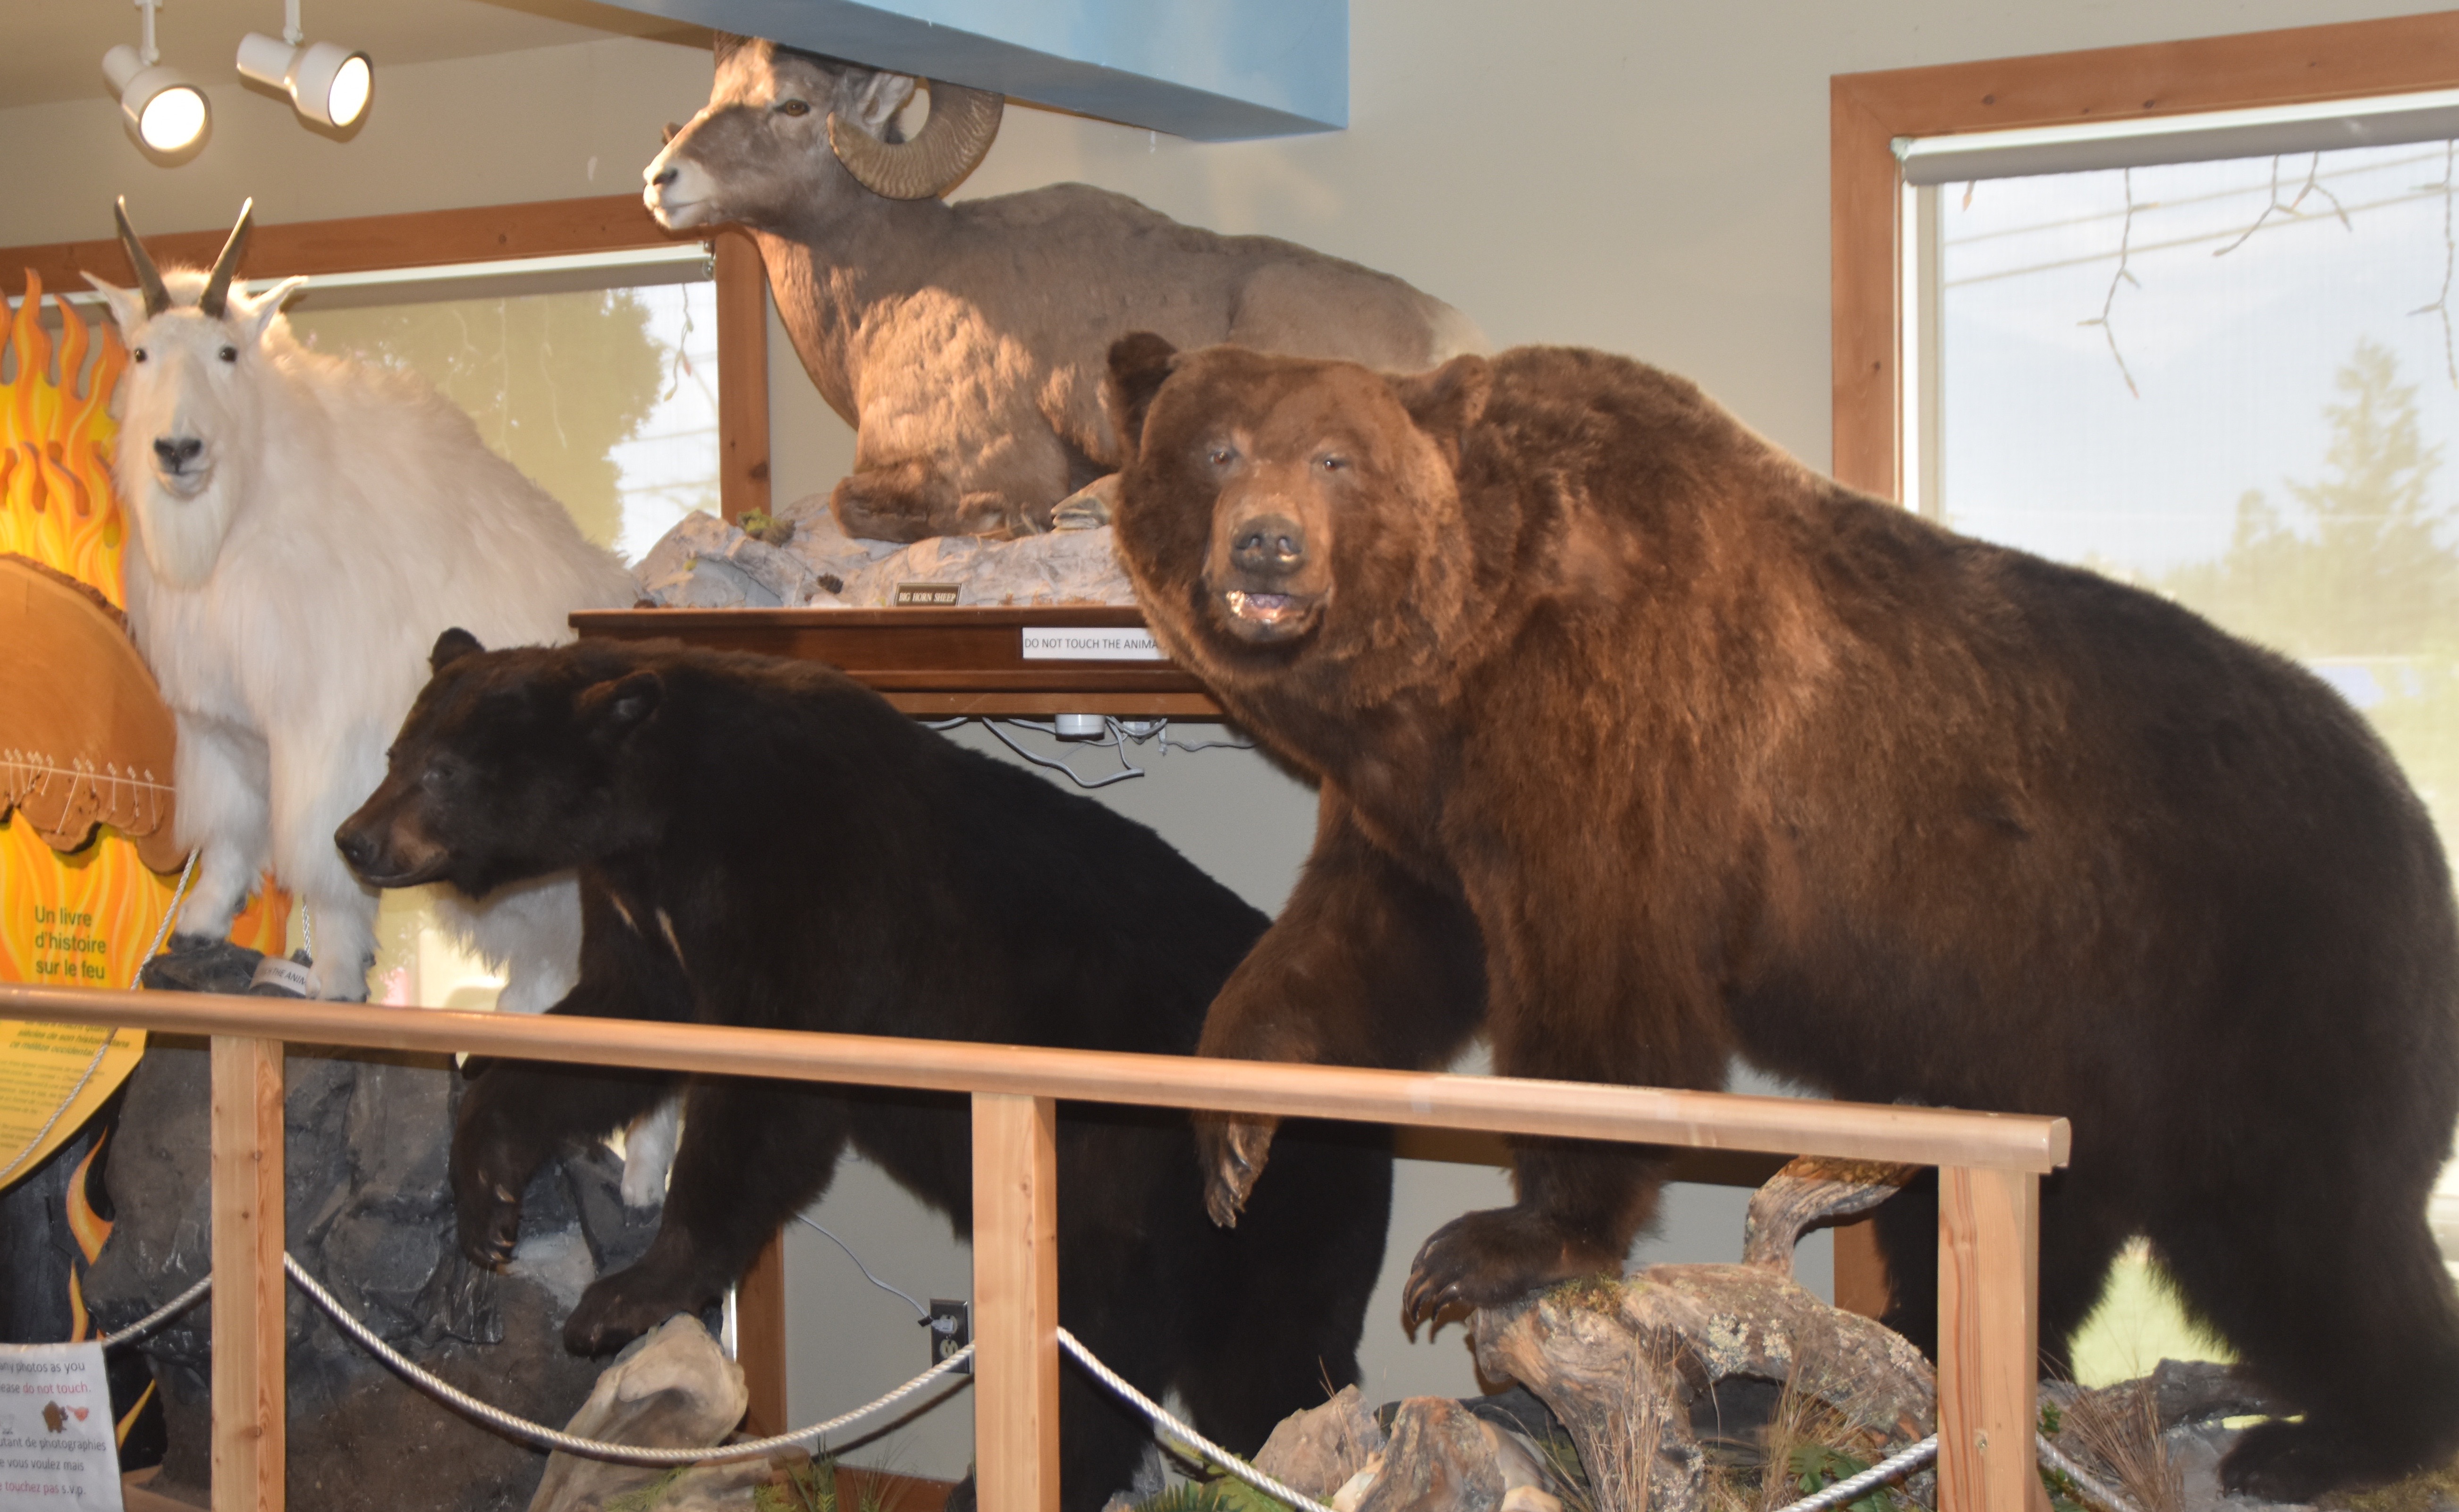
(768,843)
(1711,754)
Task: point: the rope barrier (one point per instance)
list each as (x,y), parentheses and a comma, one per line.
(1852,1488)
(1163,1421)
(589,1448)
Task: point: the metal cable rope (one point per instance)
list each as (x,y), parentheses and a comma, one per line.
(1849,1489)
(1164,1420)
(591,1448)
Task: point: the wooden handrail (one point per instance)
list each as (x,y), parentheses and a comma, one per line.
(1563,1109)
(1990,1167)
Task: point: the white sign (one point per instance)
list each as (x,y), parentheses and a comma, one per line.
(57,1452)
(1064,644)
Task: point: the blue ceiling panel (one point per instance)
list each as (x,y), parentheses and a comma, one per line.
(1208,69)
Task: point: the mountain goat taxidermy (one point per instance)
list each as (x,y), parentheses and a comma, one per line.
(306,526)
(968,344)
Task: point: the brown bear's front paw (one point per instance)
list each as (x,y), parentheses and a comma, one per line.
(1483,1259)
(617,1309)
(1233,1149)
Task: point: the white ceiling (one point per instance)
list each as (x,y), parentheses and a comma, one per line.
(51,50)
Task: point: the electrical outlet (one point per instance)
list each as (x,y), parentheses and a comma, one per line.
(952,1328)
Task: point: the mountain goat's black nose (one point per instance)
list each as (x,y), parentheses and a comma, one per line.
(179,453)
(665,177)
(1271,544)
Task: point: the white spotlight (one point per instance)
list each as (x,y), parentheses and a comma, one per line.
(326,82)
(169,113)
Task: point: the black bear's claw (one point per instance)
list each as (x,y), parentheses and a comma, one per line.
(1484,1259)
(1233,1149)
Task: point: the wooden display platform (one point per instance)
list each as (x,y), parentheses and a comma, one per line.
(938,661)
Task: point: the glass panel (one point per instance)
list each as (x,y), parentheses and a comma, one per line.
(607,399)
(2231,383)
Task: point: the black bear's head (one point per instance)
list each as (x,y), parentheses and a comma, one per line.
(1282,513)
(510,765)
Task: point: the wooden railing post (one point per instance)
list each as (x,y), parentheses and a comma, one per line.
(1016,1303)
(249,1437)
(1988,1339)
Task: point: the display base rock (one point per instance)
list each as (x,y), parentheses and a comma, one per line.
(368,1212)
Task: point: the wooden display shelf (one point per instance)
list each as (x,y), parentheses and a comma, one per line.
(938,662)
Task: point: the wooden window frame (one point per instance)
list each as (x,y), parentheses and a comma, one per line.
(489,233)
(2344,61)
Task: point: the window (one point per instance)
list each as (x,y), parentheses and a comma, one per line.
(2228,262)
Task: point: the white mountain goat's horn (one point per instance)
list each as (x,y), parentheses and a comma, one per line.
(956,137)
(217,296)
(157,298)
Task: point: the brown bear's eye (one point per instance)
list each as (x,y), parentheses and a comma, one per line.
(795,107)
(1222,455)
(1332,462)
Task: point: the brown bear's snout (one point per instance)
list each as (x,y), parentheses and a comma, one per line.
(1268,546)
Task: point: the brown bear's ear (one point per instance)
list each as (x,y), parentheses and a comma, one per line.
(1139,363)
(452,646)
(613,710)
(1446,402)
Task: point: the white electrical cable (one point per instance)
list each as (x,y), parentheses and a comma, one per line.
(919,1309)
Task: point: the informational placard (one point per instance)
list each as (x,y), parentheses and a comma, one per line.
(1090,643)
(57,1444)
(41,1066)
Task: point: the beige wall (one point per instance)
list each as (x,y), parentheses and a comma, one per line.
(1649,179)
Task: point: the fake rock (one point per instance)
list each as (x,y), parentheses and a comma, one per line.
(669,1389)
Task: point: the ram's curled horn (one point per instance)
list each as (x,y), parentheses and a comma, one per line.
(149,278)
(951,143)
(216,300)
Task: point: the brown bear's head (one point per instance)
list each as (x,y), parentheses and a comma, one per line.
(1278,512)
(506,768)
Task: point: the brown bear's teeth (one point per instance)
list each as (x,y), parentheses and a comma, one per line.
(1257,606)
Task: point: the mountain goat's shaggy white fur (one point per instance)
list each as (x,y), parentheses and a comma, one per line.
(307,525)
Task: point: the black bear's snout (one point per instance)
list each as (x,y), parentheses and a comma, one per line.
(357,843)
(1268,546)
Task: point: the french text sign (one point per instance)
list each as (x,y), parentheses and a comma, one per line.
(57,1452)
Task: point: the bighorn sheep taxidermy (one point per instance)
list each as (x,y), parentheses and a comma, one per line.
(967,343)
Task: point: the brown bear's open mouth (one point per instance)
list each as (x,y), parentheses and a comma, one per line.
(1269,616)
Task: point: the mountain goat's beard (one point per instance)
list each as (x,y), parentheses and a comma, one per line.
(182,537)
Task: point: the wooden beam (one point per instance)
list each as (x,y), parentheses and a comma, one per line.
(1016,1303)
(1926,1136)
(361,244)
(760,1339)
(1988,1340)
(741,376)
(249,1437)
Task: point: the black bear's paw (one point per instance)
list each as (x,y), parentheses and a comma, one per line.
(2299,1461)
(486,1216)
(617,1309)
(1233,1149)
(1485,1259)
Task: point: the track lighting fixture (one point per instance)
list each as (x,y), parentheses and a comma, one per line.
(169,113)
(327,82)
